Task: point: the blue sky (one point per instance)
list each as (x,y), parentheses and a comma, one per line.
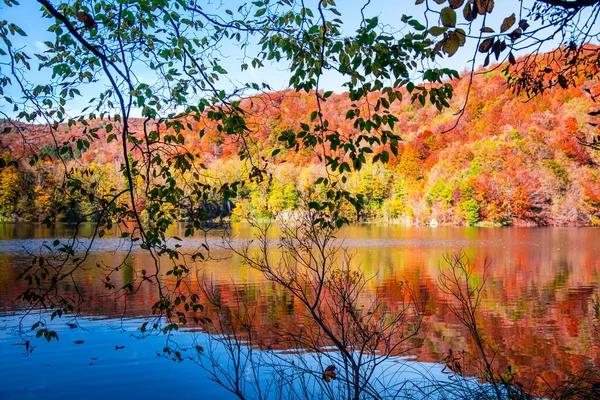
(28,17)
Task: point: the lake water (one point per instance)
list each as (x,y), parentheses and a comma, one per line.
(537,309)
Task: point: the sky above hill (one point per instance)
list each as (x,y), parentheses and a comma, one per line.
(29,17)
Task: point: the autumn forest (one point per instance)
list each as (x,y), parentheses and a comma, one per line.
(506,160)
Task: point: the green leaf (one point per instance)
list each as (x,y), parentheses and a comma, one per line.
(18,30)
(451,45)
(448,16)
(437,30)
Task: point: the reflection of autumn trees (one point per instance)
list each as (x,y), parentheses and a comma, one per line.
(537,338)
(507,161)
(536,308)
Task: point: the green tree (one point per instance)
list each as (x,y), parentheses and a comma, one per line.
(470,210)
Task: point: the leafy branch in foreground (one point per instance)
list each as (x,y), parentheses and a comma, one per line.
(108,62)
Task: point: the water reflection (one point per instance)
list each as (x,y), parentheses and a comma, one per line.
(537,306)
(98,360)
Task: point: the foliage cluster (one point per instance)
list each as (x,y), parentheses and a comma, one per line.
(506,162)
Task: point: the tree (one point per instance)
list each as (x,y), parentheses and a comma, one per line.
(161,61)
(363,328)
(98,54)
(11,192)
(557,37)
(567,26)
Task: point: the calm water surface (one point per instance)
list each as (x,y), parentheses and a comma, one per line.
(537,308)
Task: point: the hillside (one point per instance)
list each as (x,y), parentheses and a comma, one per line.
(509,160)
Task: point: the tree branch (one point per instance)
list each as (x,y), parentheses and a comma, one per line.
(571,5)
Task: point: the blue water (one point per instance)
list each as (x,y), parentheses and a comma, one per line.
(110,363)
(107,359)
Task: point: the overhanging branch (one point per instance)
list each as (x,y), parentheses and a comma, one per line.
(571,5)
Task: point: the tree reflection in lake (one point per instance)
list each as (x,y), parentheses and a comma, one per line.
(537,307)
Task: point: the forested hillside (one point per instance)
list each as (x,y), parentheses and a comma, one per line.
(508,160)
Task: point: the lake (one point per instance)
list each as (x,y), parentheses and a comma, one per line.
(537,309)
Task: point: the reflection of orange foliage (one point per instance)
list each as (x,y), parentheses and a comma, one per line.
(536,310)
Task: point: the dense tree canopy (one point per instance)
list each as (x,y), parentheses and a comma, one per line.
(433,178)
